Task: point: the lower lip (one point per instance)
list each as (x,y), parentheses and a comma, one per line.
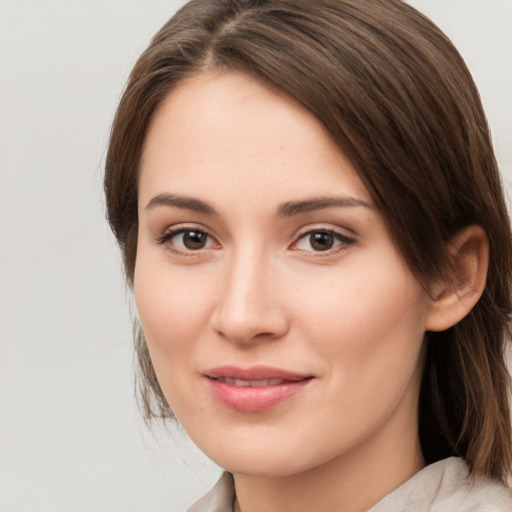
(254,399)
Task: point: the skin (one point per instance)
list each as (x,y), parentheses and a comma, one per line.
(258,292)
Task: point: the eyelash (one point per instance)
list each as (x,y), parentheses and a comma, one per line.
(344,241)
(169,235)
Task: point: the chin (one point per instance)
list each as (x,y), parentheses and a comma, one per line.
(263,458)
(255,465)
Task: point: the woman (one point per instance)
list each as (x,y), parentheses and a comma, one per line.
(312,221)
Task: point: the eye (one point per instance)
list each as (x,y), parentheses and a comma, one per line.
(322,240)
(187,240)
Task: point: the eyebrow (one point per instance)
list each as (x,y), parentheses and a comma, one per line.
(291,208)
(288,209)
(188,203)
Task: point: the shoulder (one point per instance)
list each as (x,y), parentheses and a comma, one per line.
(446,485)
(219,499)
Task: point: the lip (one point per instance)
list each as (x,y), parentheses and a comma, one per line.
(252,393)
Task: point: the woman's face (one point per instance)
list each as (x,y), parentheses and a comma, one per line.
(284,328)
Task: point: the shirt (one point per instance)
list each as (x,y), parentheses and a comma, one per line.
(444,486)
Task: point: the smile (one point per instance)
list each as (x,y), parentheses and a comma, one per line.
(240,383)
(256,389)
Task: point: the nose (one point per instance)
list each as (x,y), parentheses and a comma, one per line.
(249,306)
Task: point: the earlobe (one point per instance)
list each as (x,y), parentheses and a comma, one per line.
(454,298)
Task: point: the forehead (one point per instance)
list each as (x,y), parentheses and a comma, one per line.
(227,132)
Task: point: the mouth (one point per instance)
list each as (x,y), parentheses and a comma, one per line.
(254,389)
(241,383)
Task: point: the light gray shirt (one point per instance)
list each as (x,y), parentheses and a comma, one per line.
(441,487)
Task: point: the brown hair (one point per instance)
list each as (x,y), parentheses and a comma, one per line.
(399,101)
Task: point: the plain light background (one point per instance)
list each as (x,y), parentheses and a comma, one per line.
(71,439)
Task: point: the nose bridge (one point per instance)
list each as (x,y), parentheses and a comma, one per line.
(248,305)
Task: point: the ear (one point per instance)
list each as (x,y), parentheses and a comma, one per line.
(454,298)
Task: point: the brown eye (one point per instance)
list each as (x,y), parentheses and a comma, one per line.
(187,240)
(321,241)
(194,240)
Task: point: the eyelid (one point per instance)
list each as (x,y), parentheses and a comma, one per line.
(345,240)
(175,230)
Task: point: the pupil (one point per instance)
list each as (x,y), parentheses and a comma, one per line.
(321,241)
(194,239)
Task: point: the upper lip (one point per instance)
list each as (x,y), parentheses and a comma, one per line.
(254,373)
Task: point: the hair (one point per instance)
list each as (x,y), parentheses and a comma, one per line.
(397,98)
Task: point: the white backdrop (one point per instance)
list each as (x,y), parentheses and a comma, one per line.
(70,435)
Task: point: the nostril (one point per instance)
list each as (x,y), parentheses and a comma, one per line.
(249,332)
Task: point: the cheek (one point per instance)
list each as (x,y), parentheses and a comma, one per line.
(361,307)
(369,327)
(173,311)
(173,308)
